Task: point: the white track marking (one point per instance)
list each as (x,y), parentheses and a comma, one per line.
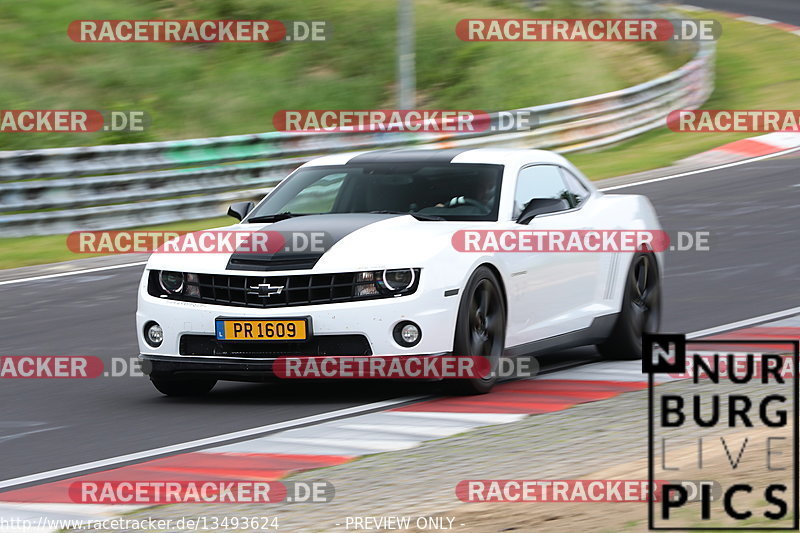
(71,273)
(757,20)
(5,438)
(689,7)
(709,169)
(744,323)
(147,454)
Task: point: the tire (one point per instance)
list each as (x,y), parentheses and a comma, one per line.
(480,329)
(183,387)
(640,313)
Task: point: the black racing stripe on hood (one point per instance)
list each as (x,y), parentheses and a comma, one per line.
(408,156)
(335,227)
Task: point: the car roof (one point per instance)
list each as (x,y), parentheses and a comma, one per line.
(497,156)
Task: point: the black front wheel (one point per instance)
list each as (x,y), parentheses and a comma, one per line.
(640,313)
(480,329)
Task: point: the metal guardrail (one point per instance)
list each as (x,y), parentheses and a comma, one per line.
(128,185)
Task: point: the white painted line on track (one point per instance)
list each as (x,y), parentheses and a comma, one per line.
(71,273)
(757,20)
(689,7)
(147,454)
(744,323)
(700,171)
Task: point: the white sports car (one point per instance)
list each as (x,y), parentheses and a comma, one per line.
(390,280)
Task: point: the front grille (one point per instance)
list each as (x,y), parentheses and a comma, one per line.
(296,290)
(333,345)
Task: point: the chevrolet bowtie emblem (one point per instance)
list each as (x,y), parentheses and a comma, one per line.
(265,290)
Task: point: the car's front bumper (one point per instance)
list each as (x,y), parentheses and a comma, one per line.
(373,320)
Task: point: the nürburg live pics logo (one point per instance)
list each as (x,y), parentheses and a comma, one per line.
(727,414)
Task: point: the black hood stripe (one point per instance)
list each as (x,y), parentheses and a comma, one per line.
(335,227)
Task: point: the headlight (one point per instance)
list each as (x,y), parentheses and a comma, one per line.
(171,281)
(389,282)
(397,280)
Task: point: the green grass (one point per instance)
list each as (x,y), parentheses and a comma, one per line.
(26,251)
(758,67)
(202,90)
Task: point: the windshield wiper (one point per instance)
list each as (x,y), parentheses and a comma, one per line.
(418,216)
(277,216)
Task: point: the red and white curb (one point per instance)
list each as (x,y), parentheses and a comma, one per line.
(339,441)
(771,143)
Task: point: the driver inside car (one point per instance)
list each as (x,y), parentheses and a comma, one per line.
(481,196)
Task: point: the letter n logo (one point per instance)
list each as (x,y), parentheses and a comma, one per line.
(663,354)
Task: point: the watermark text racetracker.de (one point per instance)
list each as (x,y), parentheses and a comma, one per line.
(733,120)
(532,240)
(404,367)
(198,31)
(205,241)
(403,120)
(588,30)
(572,490)
(71,120)
(163,492)
(67,367)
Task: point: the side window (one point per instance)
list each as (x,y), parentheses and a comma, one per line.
(317,198)
(577,190)
(539,181)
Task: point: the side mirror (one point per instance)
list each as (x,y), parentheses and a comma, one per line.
(239,210)
(541,206)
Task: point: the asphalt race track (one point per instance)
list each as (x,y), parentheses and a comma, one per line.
(781,10)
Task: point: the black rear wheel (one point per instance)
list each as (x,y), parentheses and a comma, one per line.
(640,313)
(480,329)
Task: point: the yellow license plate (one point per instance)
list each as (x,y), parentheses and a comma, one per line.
(295,329)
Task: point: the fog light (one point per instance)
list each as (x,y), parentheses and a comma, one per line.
(153,334)
(410,333)
(407,334)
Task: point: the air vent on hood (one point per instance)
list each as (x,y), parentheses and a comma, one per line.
(272,263)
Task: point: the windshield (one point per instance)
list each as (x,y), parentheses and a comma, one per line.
(449,192)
